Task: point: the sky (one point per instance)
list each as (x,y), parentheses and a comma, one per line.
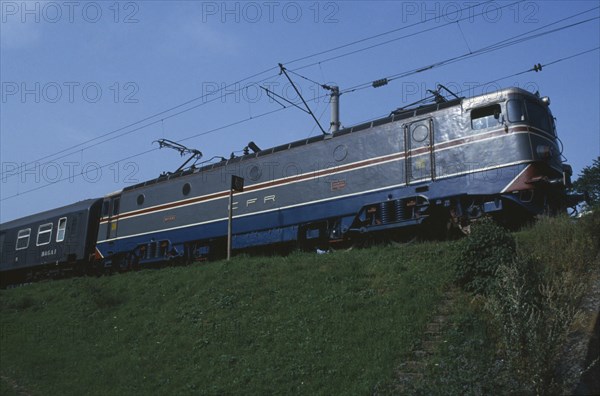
(87,87)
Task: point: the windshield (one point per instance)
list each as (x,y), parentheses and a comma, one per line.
(536,114)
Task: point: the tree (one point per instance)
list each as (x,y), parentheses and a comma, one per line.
(589,180)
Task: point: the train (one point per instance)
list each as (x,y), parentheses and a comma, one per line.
(434,166)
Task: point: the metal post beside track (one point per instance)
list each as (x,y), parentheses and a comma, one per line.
(237,184)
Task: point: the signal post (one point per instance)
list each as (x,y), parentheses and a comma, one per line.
(237,184)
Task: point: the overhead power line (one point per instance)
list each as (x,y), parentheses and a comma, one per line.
(423,31)
(493,47)
(532,69)
(95,169)
(80,145)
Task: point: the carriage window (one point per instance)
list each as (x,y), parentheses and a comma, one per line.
(486,117)
(516,110)
(60,232)
(538,116)
(44,234)
(23,239)
(2,237)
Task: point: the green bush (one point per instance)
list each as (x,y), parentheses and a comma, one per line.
(533,316)
(590,223)
(480,254)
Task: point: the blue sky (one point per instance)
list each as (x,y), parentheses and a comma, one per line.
(74,71)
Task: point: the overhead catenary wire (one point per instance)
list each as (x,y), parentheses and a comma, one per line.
(493,47)
(484,50)
(414,34)
(490,48)
(24,167)
(517,39)
(124,128)
(399,29)
(94,169)
(532,69)
(127,132)
(471,87)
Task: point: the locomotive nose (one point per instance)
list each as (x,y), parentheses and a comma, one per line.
(544,151)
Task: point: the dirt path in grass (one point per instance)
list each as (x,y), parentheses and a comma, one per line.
(412,370)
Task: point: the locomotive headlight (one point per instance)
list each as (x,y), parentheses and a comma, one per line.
(544,151)
(546,100)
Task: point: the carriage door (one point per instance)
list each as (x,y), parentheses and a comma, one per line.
(113,213)
(420,160)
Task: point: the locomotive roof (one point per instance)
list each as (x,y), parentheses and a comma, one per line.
(396,115)
(38,217)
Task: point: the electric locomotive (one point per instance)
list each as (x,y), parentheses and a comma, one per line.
(449,162)
(439,165)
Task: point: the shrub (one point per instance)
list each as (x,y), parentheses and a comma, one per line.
(480,254)
(591,225)
(533,317)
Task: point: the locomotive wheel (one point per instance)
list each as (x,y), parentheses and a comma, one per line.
(438,226)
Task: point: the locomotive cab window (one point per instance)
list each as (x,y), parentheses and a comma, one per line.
(105,207)
(23,239)
(115,210)
(44,234)
(516,110)
(486,117)
(60,231)
(538,116)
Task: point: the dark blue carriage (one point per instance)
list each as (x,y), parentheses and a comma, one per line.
(49,243)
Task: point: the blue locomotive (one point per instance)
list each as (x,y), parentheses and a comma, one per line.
(443,164)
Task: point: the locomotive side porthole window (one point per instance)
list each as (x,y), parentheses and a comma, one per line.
(60,231)
(23,239)
(420,133)
(255,173)
(486,117)
(340,153)
(187,187)
(44,234)
(140,199)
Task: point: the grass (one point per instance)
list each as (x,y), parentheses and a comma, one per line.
(305,324)
(309,324)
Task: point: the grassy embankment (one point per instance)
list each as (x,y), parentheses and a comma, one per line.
(339,323)
(328,324)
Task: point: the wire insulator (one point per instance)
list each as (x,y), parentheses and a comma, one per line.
(380,83)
